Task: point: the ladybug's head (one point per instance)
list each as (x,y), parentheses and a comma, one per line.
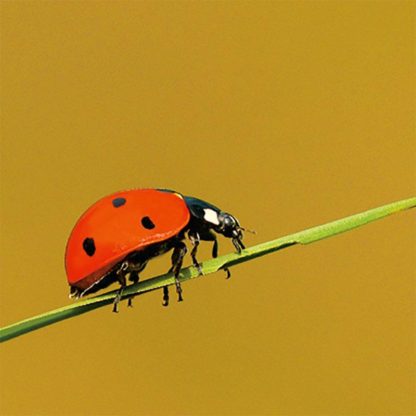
(229,227)
(205,216)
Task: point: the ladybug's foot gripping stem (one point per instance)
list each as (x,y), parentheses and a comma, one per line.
(238,244)
(121,277)
(130,302)
(165,296)
(215,255)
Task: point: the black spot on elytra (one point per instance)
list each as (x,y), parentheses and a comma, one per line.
(118,202)
(89,246)
(147,223)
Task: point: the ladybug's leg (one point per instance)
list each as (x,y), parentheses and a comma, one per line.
(177,259)
(215,255)
(134,270)
(210,236)
(121,277)
(134,278)
(238,244)
(195,239)
(215,249)
(165,296)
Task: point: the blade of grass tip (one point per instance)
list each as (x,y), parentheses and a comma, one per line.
(210,266)
(320,232)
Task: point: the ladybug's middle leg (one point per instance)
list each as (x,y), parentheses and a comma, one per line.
(178,254)
(195,240)
(134,270)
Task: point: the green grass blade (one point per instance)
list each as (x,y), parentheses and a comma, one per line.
(210,266)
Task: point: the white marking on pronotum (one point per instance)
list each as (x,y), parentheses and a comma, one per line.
(211,216)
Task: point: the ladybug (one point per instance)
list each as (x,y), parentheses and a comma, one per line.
(120,233)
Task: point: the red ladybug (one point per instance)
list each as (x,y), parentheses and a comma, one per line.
(120,233)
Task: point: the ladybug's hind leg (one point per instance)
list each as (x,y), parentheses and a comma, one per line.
(178,254)
(121,277)
(165,296)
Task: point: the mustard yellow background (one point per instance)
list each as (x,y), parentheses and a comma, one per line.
(288,115)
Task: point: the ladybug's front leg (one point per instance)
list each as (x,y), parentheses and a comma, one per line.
(178,254)
(215,255)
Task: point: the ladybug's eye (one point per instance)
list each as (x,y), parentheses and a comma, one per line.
(89,246)
(147,223)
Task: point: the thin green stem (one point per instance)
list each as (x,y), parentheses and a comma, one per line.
(210,266)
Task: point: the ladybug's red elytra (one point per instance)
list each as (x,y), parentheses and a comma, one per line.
(120,233)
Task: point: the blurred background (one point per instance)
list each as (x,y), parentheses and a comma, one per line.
(287,115)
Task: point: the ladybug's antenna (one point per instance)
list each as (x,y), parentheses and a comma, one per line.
(248,231)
